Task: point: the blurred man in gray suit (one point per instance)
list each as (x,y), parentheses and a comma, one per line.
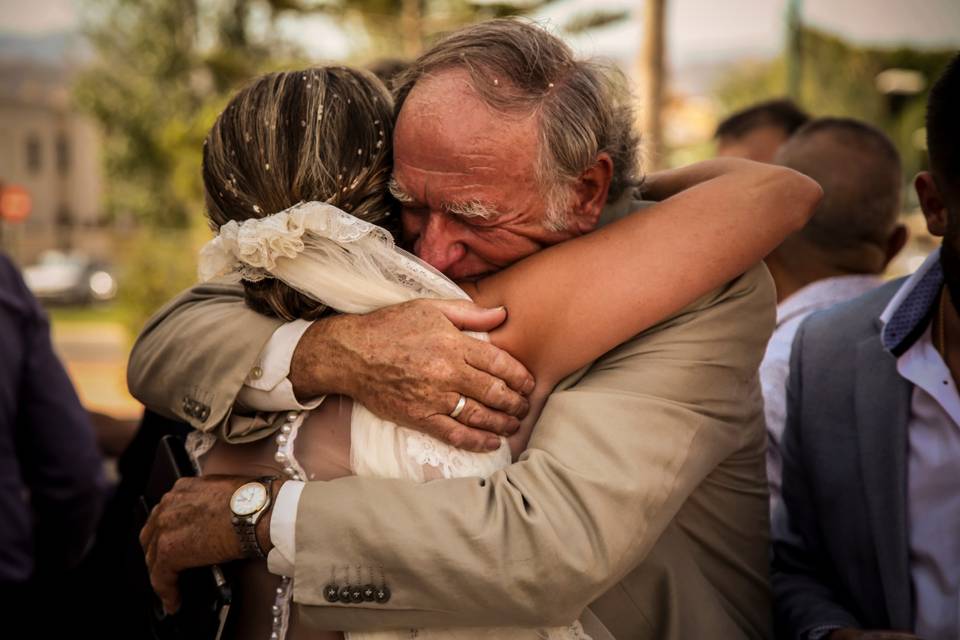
(866,538)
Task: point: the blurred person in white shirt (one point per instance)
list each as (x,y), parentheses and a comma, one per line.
(839,255)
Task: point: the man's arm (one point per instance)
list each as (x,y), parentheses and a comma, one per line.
(803,600)
(407,363)
(57,452)
(611,461)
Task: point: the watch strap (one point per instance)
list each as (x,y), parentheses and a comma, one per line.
(246,526)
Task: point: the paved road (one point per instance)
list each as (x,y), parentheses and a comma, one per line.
(95,355)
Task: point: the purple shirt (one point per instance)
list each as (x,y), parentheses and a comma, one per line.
(51,474)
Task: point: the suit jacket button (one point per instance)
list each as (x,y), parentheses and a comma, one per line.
(369,593)
(331,593)
(382,595)
(345,594)
(356,595)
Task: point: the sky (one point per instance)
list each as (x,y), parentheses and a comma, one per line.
(697,30)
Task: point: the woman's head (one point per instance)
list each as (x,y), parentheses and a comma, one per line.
(318,134)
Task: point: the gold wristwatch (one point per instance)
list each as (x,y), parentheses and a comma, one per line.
(247,504)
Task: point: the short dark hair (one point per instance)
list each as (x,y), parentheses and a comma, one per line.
(781,113)
(943,127)
(860,172)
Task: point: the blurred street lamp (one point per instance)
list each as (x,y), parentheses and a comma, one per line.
(899,86)
(900,81)
(795,49)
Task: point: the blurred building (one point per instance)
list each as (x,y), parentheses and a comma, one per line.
(53,152)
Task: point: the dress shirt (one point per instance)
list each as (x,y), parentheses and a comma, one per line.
(267,387)
(933,457)
(776,362)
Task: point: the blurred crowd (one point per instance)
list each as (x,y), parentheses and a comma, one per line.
(859,383)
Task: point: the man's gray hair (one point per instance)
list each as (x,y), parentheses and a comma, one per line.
(584,107)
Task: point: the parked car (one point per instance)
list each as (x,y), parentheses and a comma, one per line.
(70,278)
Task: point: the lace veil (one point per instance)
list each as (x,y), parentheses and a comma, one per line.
(325,253)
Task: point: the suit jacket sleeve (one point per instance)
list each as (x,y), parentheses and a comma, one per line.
(803,599)
(192,357)
(615,454)
(56,450)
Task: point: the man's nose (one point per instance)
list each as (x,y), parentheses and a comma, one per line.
(439,244)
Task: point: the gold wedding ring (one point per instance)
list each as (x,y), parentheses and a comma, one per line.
(457,410)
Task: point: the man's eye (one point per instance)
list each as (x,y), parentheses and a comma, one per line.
(415,210)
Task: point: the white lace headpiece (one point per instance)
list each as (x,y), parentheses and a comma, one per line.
(325,253)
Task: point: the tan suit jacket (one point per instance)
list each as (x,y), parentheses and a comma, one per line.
(642,495)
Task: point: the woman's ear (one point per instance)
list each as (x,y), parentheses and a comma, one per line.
(932,202)
(591,191)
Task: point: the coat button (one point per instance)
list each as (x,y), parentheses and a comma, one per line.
(331,593)
(256,373)
(382,595)
(345,594)
(369,593)
(356,595)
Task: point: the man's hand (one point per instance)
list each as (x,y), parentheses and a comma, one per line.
(191,527)
(864,634)
(410,363)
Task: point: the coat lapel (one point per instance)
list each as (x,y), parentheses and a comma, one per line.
(882,405)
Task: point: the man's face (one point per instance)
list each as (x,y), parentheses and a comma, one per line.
(455,159)
(760,144)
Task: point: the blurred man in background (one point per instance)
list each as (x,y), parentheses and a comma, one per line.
(867,534)
(757,132)
(51,472)
(842,251)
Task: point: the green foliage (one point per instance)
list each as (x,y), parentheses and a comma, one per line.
(157,264)
(165,70)
(839,79)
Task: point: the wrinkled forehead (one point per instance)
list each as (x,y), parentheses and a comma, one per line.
(444,125)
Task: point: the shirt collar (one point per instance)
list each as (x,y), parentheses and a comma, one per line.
(824,293)
(908,312)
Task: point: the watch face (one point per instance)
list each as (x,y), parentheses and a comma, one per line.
(248,499)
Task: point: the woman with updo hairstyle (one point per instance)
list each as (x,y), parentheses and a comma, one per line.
(322,134)
(296,154)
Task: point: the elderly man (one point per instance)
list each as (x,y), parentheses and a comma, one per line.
(642,494)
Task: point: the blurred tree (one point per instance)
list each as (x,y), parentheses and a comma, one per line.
(840,79)
(164,70)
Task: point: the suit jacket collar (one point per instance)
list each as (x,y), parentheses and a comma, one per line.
(626,204)
(882,404)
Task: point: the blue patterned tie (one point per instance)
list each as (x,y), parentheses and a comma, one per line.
(914,309)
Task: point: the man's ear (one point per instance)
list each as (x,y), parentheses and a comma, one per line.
(896,242)
(591,193)
(932,202)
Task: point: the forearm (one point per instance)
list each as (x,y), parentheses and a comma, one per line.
(665,256)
